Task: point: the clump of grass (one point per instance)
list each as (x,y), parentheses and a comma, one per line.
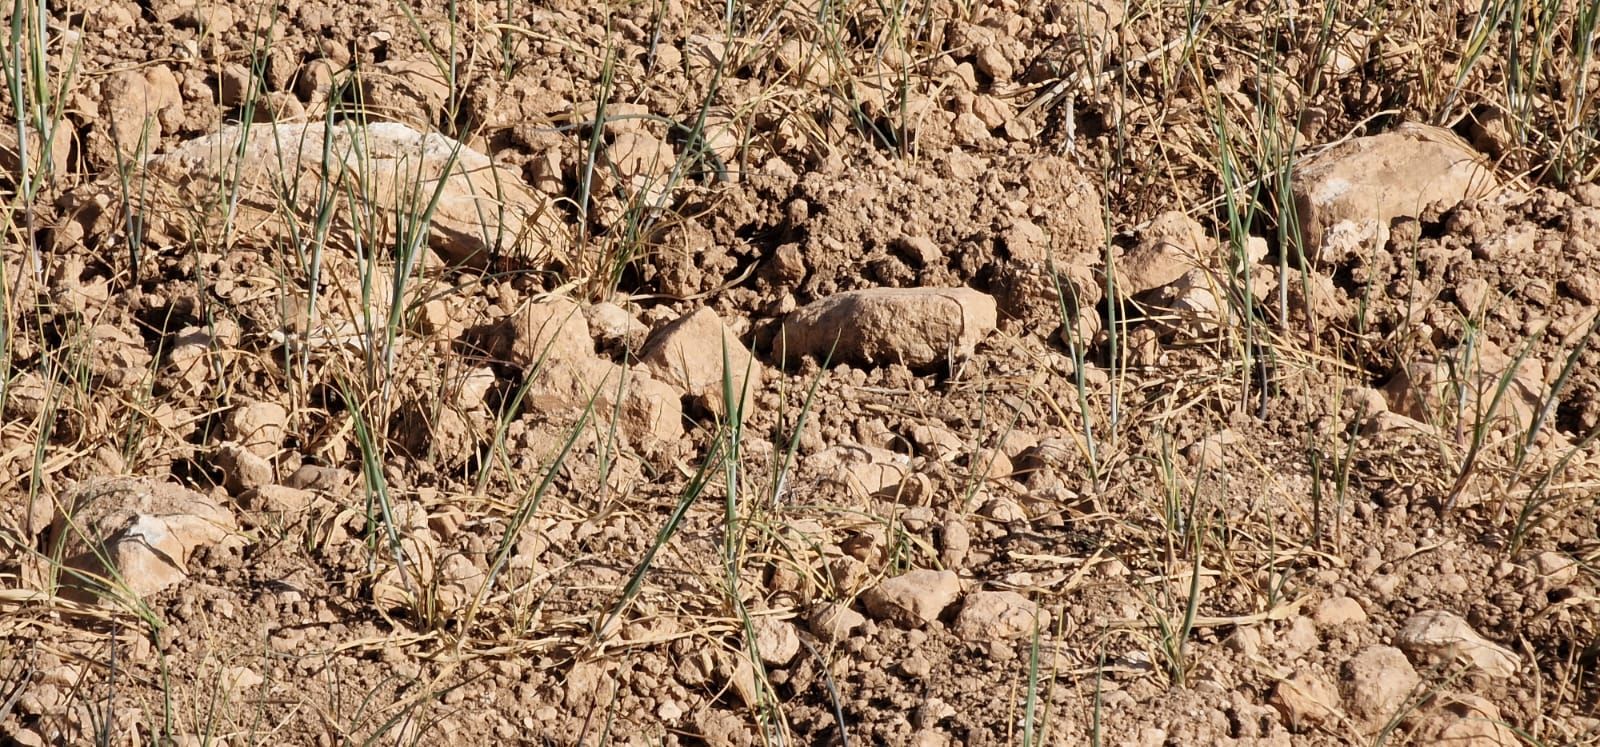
(38,106)
(1069,309)
(530,501)
(1184,535)
(1526,65)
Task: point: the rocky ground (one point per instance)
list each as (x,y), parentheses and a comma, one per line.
(798,373)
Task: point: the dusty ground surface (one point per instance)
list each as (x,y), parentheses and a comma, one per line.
(1222,401)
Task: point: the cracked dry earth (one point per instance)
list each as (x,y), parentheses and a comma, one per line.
(831,379)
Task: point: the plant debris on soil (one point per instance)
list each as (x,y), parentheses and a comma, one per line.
(800,373)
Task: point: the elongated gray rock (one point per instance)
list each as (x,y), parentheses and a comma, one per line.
(281,180)
(131,536)
(690,353)
(1437,634)
(1357,187)
(996,615)
(918,327)
(914,598)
